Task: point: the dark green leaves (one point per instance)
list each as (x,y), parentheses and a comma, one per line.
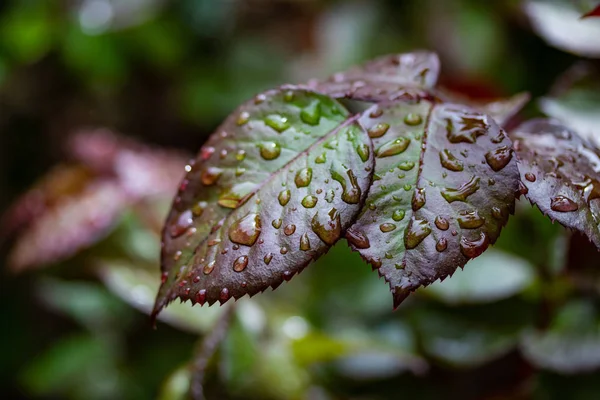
(272,190)
(444,185)
(561,173)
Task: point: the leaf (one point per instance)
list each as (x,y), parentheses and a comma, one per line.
(444,185)
(271,191)
(385,78)
(595,12)
(560,24)
(493,276)
(560,171)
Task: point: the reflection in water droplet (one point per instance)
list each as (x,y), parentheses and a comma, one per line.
(289,229)
(284,197)
(328,227)
(417,230)
(245,230)
(413,119)
(184,221)
(268,258)
(378,130)
(470,220)
(418,199)
(441,245)
(387,227)
(311,114)
(474,248)
(270,150)
(243,118)
(393,147)
(497,213)
(530,177)
(303,177)
(350,193)
(450,162)
(309,201)
(462,192)
(398,215)
(363,152)
(358,239)
(563,204)
(277,122)
(442,223)
(499,158)
(210,176)
(304,243)
(208,268)
(240,263)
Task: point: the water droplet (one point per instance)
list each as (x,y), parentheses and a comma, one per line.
(329,195)
(270,150)
(303,177)
(417,230)
(309,201)
(331,145)
(224,295)
(328,227)
(418,199)
(474,248)
(284,197)
(268,257)
(206,152)
(276,223)
(259,98)
(288,96)
(311,114)
(283,250)
(196,279)
(464,191)
(393,147)
(442,223)
(406,165)
(201,296)
(450,162)
(240,263)
(375,262)
(184,221)
(243,118)
(198,208)
(304,243)
(497,213)
(208,268)
(223,154)
(372,206)
(378,130)
(277,122)
(363,152)
(289,229)
(499,158)
(210,176)
(350,193)
(287,275)
(472,128)
(407,187)
(470,220)
(358,239)
(563,204)
(387,227)
(213,242)
(321,159)
(245,230)
(240,155)
(441,245)
(376,113)
(398,215)
(177,255)
(413,119)
(530,177)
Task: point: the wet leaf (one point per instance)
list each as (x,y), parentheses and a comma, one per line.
(444,186)
(561,173)
(385,78)
(271,190)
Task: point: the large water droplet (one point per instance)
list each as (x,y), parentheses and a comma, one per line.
(470,220)
(393,147)
(289,229)
(441,245)
(309,201)
(474,248)
(245,230)
(240,263)
(208,268)
(398,215)
(358,239)
(210,176)
(304,243)
(303,177)
(442,223)
(418,199)
(450,162)
(284,197)
(277,122)
(311,114)
(499,158)
(378,130)
(461,194)
(417,230)
(563,204)
(328,227)
(472,128)
(363,152)
(387,227)
(350,193)
(270,150)
(181,225)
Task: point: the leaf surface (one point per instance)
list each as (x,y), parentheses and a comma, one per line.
(561,172)
(272,190)
(444,185)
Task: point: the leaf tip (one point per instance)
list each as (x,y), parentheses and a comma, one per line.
(399,295)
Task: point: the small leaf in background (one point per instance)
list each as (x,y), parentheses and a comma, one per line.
(386,78)
(560,171)
(575,101)
(493,276)
(444,186)
(571,344)
(272,190)
(560,24)
(593,13)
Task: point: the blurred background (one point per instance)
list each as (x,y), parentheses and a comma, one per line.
(102,102)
